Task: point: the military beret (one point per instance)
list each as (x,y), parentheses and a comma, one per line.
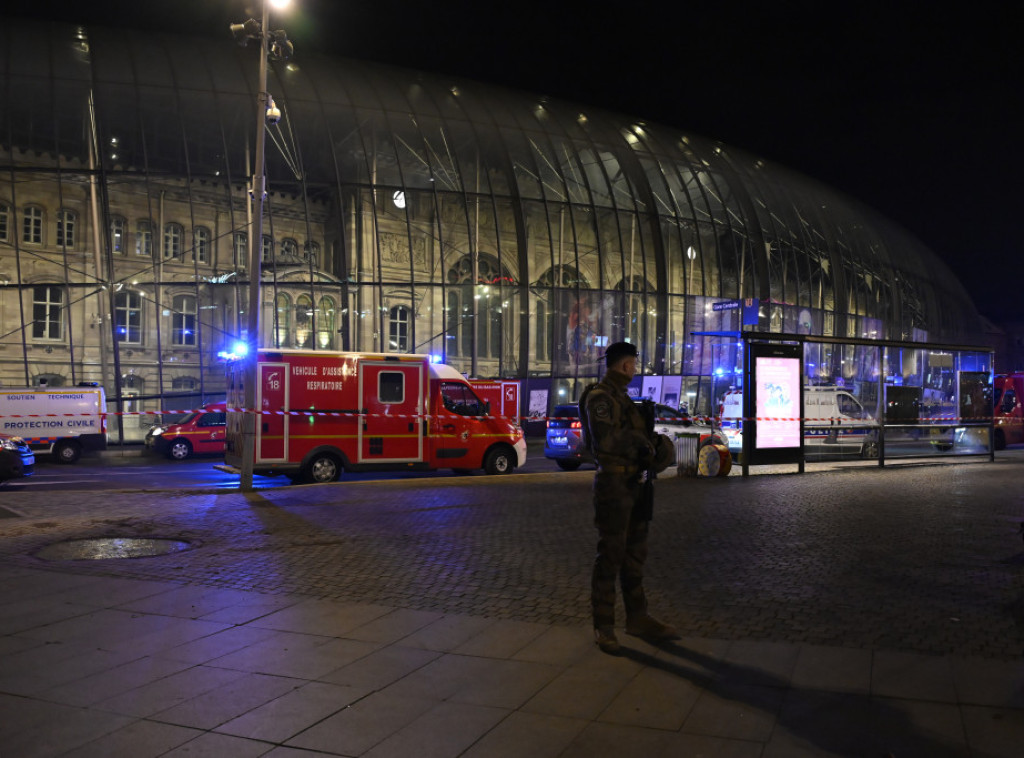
(619,350)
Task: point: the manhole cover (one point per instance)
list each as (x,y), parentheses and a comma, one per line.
(103,548)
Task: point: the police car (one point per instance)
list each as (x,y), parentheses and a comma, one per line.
(564,438)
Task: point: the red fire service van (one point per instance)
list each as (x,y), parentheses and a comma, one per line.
(324,412)
(1007,399)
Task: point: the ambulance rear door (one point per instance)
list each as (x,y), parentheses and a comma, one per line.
(272,425)
(393,396)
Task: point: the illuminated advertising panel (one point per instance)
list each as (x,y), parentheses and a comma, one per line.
(778,402)
(774,403)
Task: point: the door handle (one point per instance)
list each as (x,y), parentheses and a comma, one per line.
(448,427)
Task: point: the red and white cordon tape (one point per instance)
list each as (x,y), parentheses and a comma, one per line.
(518,419)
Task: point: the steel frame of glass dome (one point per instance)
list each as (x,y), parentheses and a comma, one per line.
(510,234)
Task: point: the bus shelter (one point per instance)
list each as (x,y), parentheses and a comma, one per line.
(796,398)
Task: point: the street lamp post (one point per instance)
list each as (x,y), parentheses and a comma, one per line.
(280,47)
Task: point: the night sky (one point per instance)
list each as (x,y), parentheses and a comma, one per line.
(912,108)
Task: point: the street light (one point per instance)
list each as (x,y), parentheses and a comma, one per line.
(271,43)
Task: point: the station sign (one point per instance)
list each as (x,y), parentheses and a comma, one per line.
(750,307)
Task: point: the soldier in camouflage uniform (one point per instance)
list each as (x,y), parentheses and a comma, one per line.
(619,441)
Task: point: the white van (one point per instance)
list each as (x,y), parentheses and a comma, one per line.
(835,422)
(62,421)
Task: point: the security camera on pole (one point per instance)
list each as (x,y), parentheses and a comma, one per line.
(271,43)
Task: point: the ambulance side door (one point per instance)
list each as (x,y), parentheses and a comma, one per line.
(459,427)
(391,429)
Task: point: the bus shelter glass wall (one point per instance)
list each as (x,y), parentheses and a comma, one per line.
(841,403)
(937,402)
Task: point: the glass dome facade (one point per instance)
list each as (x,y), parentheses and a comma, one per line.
(511,234)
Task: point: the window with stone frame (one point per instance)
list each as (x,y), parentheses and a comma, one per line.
(398,329)
(47,312)
(201,244)
(174,235)
(128,318)
(240,248)
(66,222)
(117,232)
(183,317)
(32,225)
(144,237)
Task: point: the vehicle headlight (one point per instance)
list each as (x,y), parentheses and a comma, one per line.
(6,444)
(156,431)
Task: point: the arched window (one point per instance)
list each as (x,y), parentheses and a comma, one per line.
(289,247)
(282,320)
(564,277)
(173,236)
(128,318)
(547,288)
(488,295)
(201,244)
(66,221)
(117,231)
(183,330)
(325,324)
(32,225)
(303,321)
(267,249)
(398,329)
(47,312)
(144,237)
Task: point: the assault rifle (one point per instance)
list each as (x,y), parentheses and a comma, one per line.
(646,504)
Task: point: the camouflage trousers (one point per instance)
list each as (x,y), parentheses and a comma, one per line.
(621,548)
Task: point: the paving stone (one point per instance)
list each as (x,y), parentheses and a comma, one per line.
(212,745)
(229,701)
(381,667)
(447,729)
(527,734)
(282,718)
(367,723)
(113,681)
(139,739)
(911,675)
(735,710)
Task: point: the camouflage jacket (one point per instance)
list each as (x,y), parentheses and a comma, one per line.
(615,427)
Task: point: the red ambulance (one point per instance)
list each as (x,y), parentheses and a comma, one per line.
(324,412)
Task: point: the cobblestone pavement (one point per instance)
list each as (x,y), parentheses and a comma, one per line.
(924,558)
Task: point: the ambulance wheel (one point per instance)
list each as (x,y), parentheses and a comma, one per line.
(500,460)
(179,450)
(568,465)
(323,467)
(869,451)
(67,451)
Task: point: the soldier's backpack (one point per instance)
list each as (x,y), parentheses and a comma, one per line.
(585,435)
